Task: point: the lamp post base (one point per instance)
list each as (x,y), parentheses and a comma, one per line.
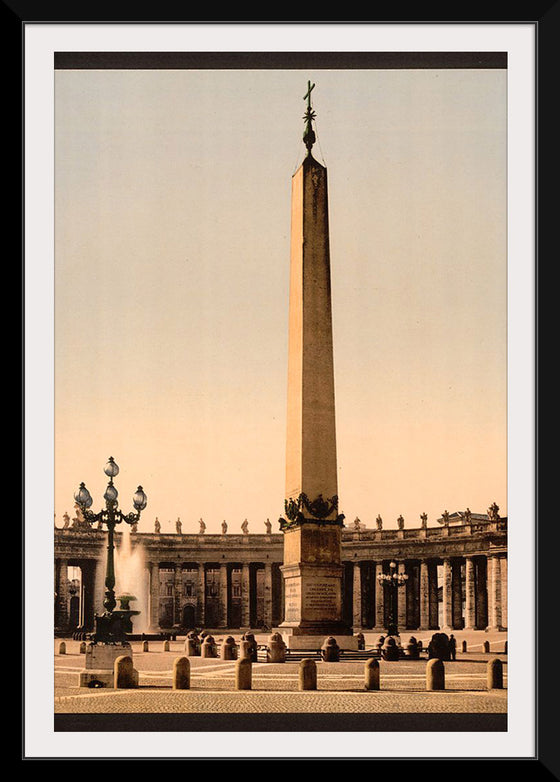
(100,663)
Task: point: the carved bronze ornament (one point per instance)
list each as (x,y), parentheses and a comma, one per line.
(318,509)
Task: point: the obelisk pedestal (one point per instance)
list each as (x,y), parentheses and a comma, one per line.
(312,568)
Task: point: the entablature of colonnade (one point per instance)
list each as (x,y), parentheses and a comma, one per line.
(158,547)
(482,538)
(79,544)
(209,548)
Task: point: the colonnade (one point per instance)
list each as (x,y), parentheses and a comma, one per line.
(236,595)
(456,578)
(439,593)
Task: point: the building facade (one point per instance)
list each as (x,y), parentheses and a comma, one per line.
(457,577)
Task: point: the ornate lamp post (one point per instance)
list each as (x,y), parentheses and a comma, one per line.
(109,627)
(392,581)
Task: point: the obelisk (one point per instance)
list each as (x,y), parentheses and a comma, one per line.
(312,568)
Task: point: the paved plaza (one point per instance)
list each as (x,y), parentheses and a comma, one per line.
(275,686)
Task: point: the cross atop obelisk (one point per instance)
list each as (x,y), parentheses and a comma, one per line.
(309,116)
(312,528)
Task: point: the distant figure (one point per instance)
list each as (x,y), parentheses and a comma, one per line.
(178,526)
(445,517)
(379,522)
(452,647)
(245,527)
(134,527)
(424,520)
(224,527)
(66,518)
(157,525)
(100,524)
(202,527)
(493,512)
(400,522)
(268,526)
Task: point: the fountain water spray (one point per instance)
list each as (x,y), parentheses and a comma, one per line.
(132,579)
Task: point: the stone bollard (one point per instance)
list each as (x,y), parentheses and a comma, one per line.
(308,675)
(371,674)
(229,649)
(435,674)
(243,674)
(208,648)
(166,646)
(361,642)
(250,638)
(125,677)
(181,674)
(330,650)
(145,646)
(276,650)
(62,648)
(412,650)
(83,647)
(464,646)
(487,647)
(192,645)
(495,674)
(390,650)
(245,650)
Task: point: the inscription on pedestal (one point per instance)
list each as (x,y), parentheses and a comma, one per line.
(321,600)
(292,611)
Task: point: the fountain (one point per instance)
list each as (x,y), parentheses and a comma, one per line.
(132,584)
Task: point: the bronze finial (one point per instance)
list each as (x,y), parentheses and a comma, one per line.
(309,116)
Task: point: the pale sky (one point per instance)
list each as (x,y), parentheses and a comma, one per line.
(172,198)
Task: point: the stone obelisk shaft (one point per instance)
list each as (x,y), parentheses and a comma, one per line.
(311,436)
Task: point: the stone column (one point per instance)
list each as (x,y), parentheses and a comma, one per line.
(154,595)
(504,595)
(412,589)
(424,596)
(177,593)
(245,596)
(433,594)
(379,599)
(495,594)
(223,615)
(456,587)
(99,586)
(401,600)
(201,596)
(88,594)
(61,614)
(447,595)
(268,594)
(357,597)
(481,592)
(470,603)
